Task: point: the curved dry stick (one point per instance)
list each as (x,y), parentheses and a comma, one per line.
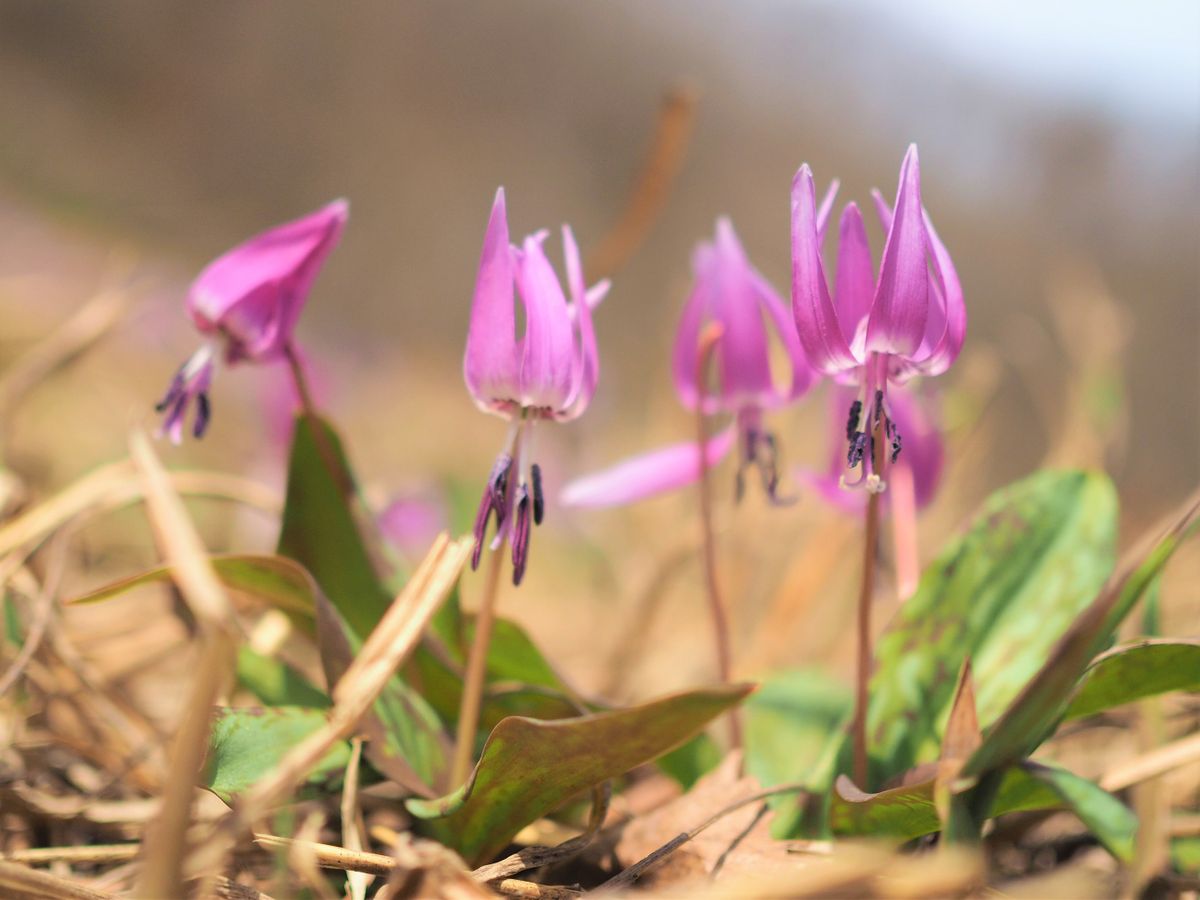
(628,876)
(649,194)
(41,623)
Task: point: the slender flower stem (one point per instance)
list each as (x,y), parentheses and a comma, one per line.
(704,351)
(865,596)
(472,696)
(324,448)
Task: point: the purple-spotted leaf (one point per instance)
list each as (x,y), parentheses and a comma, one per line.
(1033,713)
(1002,594)
(529,768)
(1134,672)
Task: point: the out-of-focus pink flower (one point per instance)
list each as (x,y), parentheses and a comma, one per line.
(412,521)
(729,291)
(247,302)
(549,372)
(875,331)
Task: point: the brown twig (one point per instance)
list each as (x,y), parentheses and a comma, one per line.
(630,875)
(653,186)
(17,880)
(97,854)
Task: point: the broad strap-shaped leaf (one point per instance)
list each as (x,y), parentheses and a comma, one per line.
(1034,712)
(1110,820)
(529,767)
(276,581)
(247,743)
(321,530)
(1003,594)
(1134,672)
(276,683)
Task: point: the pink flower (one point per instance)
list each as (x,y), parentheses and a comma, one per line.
(549,372)
(729,291)
(875,331)
(247,302)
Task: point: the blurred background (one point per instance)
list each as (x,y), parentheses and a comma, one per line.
(1060,149)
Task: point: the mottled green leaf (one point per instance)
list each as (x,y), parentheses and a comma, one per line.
(790,720)
(276,581)
(1003,593)
(909,811)
(1110,820)
(320,528)
(247,743)
(1032,714)
(529,768)
(276,683)
(1135,671)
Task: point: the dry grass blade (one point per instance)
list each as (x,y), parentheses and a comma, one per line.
(95,854)
(162,874)
(1156,762)
(650,192)
(73,337)
(353,695)
(330,856)
(357,883)
(18,881)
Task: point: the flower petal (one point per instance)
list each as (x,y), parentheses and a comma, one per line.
(854,287)
(587,361)
(817,323)
(696,309)
(491,364)
(804,376)
(656,472)
(923,452)
(745,369)
(253,294)
(549,355)
(896,324)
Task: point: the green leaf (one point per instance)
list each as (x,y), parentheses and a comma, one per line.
(12,622)
(274,580)
(247,743)
(1033,714)
(275,683)
(320,528)
(689,762)
(910,811)
(529,768)
(1003,593)
(1185,855)
(1136,671)
(1110,820)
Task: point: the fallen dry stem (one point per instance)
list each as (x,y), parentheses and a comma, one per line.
(192,570)
(96,854)
(17,880)
(1153,763)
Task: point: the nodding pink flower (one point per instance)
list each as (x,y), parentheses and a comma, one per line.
(246,303)
(729,291)
(549,372)
(875,330)
(913,416)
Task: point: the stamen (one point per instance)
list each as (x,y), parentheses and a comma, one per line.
(858,447)
(494,500)
(539,500)
(521,533)
(896,445)
(852,421)
(203,414)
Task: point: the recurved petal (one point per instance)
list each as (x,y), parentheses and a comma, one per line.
(817,323)
(803,375)
(854,288)
(254,293)
(923,451)
(696,309)
(742,353)
(896,324)
(946,293)
(587,359)
(648,475)
(491,364)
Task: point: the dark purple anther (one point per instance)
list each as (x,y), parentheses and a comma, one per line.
(852,421)
(522,529)
(539,501)
(494,500)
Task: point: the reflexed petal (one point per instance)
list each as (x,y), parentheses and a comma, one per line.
(549,355)
(587,365)
(817,324)
(491,364)
(696,310)
(647,475)
(254,293)
(947,294)
(854,287)
(804,376)
(897,321)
